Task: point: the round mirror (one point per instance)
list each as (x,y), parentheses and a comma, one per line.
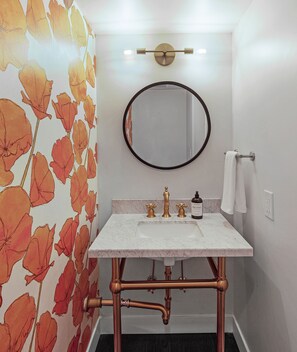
(166,125)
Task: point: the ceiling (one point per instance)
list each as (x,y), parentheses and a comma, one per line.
(163,16)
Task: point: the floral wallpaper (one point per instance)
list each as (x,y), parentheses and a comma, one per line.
(48,176)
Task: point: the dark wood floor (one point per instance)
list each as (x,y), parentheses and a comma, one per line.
(167,343)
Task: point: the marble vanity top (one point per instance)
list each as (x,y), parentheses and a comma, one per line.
(119,239)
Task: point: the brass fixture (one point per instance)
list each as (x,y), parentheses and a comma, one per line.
(150,210)
(166,195)
(219,282)
(164,53)
(181,210)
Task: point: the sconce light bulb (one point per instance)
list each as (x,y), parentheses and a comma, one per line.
(128,52)
(141,51)
(188,50)
(201,51)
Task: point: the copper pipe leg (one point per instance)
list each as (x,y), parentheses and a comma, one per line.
(168,274)
(221,292)
(221,321)
(122,267)
(116,298)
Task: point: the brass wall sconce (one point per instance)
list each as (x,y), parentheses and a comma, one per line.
(165,53)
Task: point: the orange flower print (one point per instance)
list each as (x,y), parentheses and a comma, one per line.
(92,265)
(95,64)
(15,138)
(73,346)
(37,88)
(79,189)
(18,320)
(90,206)
(80,293)
(78,28)
(65,111)
(92,294)
(85,339)
(37,22)
(59,20)
(4,337)
(89,108)
(42,182)
(80,139)
(37,258)
(90,71)
(77,80)
(67,237)
(46,333)
(63,156)
(13,42)
(64,289)
(68,3)
(92,167)
(81,244)
(15,229)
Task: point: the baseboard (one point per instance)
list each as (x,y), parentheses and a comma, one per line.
(239,337)
(95,336)
(179,324)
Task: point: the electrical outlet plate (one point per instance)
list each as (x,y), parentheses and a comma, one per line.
(268,204)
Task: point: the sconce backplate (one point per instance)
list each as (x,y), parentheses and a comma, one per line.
(164,58)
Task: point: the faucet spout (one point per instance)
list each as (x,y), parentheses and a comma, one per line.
(166,195)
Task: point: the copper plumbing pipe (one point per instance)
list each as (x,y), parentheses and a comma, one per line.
(213,266)
(147,305)
(116,300)
(167,298)
(173,284)
(122,267)
(100,302)
(221,292)
(96,303)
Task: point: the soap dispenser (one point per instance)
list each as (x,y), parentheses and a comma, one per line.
(197,207)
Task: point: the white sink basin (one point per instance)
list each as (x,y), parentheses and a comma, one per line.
(169,231)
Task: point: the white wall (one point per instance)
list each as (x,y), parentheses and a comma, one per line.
(264,110)
(122,176)
(120,78)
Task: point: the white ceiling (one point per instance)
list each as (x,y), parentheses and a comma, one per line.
(162,16)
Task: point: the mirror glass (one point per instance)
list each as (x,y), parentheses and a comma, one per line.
(166,125)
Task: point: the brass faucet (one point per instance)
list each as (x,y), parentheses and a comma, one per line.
(166,195)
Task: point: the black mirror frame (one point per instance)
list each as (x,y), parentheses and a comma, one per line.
(207,118)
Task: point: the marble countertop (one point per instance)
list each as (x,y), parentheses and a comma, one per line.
(118,239)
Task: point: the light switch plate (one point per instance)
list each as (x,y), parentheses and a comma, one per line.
(268,204)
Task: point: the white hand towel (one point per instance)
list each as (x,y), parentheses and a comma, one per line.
(233,191)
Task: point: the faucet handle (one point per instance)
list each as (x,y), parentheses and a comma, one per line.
(150,210)
(181,210)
